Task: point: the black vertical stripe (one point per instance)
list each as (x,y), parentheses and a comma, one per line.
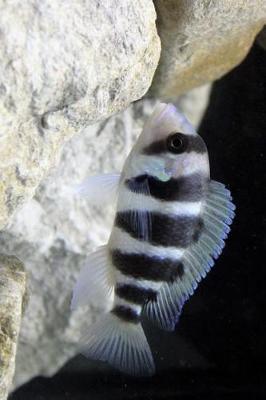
(166,230)
(126,314)
(135,294)
(192,187)
(192,143)
(198,230)
(152,268)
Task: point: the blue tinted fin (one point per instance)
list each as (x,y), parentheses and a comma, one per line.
(122,344)
(218,214)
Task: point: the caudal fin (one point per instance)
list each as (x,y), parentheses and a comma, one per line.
(121,344)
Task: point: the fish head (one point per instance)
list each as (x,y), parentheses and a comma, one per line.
(169,146)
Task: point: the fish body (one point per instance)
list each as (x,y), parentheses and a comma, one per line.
(170,224)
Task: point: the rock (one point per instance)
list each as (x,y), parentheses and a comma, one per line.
(64,67)
(261,38)
(202,40)
(12,296)
(194,103)
(53,232)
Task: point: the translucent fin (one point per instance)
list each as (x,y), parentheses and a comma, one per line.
(165,311)
(217,215)
(99,189)
(140,220)
(95,282)
(121,344)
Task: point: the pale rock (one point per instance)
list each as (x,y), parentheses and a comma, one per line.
(202,40)
(261,38)
(55,231)
(12,302)
(65,65)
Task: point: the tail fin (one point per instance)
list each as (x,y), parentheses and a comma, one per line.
(122,344)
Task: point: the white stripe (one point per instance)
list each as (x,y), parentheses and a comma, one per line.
(130,200)
(121,302)
(122,241)
(141,283)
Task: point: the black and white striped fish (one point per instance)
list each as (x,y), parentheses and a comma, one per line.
(170,225)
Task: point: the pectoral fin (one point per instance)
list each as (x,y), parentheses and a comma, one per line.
(99,189)
(140,221)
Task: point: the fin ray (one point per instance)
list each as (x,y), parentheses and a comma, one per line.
(95,281)
(218,214)
(99,189)
(141,220)
(123,345)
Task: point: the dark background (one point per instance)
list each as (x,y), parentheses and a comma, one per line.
(218,350)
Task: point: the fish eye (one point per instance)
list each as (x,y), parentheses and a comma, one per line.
(176,143)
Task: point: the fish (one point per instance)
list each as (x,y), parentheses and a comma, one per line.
(170,226)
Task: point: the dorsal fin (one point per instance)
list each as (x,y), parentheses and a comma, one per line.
(218,214)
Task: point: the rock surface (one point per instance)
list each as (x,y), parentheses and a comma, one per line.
(202,40)
(53,232)
(64,67)
(12,295)
(261,38)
